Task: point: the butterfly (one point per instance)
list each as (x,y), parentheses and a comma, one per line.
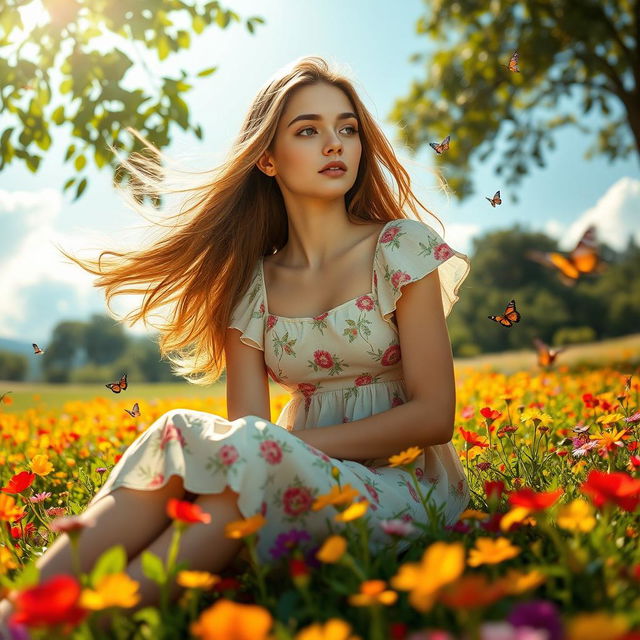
(495,200)
(443,146)
(117,387)
(584,258)
(135,411)
(513,62)
(36,349)
(546,355)
(510,316)
(580,428)
(3,396)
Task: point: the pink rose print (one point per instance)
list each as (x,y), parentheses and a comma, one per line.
(419,473)
(412,491)
(321,317)
(261,308)
(228,454)
(397,401)
(442,251)
(352,330)
(391,356)
(263,509)
(365,303)
(346,419)
(296,500)
(318,453)
(362,380)
(372,492)
(156,481)
(287,349)
(398,278)
(375,279)
(323,359)
(307,389)
(389,234)
(406,517)
(271,321)
(171,432)
(271,451)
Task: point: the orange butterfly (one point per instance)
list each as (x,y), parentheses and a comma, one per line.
(546,355)
(117,387)
(510,315)
(36,349)
(135,411)
(443,146)
(584,258)
(495,200)
(513,62)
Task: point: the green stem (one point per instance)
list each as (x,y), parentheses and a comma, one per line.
(376,627)
(255,563)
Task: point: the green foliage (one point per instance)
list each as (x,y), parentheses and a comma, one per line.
(91,96)
(603,305)
(590,47)
(13,366)
(113,560)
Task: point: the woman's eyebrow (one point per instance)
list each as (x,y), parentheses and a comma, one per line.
(316,116)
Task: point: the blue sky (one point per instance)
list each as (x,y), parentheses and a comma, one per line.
(373,41)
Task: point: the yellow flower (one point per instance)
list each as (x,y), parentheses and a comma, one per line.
(196,579)
(441,564)
(355,511)
(9,510)
(535,417)
(610,418)
(6,560)
(516,582)
(373,592)
(332,629)
(244,528)
(596,626)
(473,514)
(609,439)
(40,465)
(337,495)
(490,551)
(113,590)
(517,514)
(405,457)
(332,549)
(226,619)
(576,516)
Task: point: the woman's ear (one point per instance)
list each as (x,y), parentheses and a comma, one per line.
(265,164)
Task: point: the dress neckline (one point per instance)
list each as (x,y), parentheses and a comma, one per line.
(333,309)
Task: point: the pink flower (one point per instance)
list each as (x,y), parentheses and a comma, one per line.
(323,359)
(365,303)
(156,481)
(389,234)
(56,511)
(372,492)
(362,380)
(442,252)
(228,454)
(412,491)
(391,356)
(262,308)
(271,451)
(397,527)
(398,278)
(296,500)
(171,432)
(321,317)
(271,321)
(397,401)
(306,389)
(39,497)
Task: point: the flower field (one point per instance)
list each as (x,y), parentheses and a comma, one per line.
(547,549)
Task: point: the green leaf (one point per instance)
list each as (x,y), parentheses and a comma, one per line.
(163,47)
(66,85)
(207,72)
(81,187)
(198,24)
(58,114)
(113,560)
(80,162)
(153,567)
(71,149)
(68,183)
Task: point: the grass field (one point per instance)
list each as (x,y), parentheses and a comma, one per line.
(26,395)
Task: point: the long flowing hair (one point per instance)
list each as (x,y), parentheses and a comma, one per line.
(198,269)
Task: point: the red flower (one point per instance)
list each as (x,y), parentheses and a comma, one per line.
(535,501)
(490,414)
(271,451)
(365,303)
(323,359)
(442,252)
(228,454)
(618,488)
(296,500)
(365,378)
(391,356)
(398,278)
(186,512)
(19,482)
(271,321)
(50,603)
(472,438)
(590,401)
(494,487)
(389,234)
(298,568)
(226,584)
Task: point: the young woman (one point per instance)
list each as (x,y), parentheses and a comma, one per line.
(284,267)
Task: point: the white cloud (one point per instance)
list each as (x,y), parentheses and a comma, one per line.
(616,216)
(42,287)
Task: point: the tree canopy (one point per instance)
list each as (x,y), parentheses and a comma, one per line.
(466,90)
(91,97)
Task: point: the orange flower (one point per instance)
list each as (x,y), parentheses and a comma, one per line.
(226,619)
(533,501)
(373,592)
(246,527)
(470,591)
(405,457)
(337,495)
(186,512)
(9,511)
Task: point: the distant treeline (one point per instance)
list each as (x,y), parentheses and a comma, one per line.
(600,306)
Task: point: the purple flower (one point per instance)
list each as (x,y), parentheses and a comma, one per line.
(538,614)
(286,542)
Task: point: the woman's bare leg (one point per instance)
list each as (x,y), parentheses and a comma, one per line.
(130,517)
(203,546)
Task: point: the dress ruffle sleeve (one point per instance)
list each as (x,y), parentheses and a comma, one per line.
(248,315)
(409,250)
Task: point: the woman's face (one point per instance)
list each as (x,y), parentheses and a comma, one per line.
(302,146)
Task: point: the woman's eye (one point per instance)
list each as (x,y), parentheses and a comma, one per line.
(353,129)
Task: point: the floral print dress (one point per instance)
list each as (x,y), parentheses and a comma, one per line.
(340,366)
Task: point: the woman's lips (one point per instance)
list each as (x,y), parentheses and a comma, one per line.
(335,173)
